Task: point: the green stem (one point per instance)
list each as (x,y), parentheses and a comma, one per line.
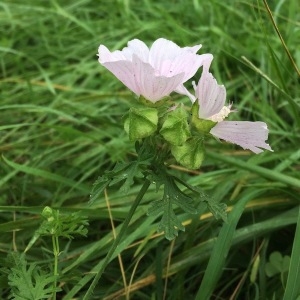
(55,271)
(116,242)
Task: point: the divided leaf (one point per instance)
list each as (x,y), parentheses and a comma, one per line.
(59,225)
(217,209)
(169,223)
(27,280)
(125,171)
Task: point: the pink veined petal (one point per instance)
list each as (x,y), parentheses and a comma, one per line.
(249,135)
(157,72)
(193,49)
(210,95)
(124,71)
(181,89)
(207,60)
(138,48)
(106,56)
(186,62)
(163,50)
(151,86)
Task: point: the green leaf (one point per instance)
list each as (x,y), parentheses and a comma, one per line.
(27,280)
(125,171)
(59,225)
(217,209)
(169,223)
(277,264)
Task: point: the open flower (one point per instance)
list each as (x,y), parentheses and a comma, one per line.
(211,99)
(156,72)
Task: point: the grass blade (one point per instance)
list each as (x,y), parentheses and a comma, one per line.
(221,249)
(292,290)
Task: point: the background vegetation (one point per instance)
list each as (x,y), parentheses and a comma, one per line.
(61,127)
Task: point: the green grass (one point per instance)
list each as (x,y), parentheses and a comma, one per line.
(61,127)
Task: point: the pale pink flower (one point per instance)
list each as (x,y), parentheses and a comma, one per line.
(211,98)
(156,72)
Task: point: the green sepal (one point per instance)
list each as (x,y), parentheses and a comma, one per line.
(158,103)
(141,122)
(175,128)
(190,154)
(201,125)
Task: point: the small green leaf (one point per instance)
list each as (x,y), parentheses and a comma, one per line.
(277,264)
(162,102)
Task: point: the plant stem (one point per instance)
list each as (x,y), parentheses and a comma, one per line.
(55,271)
(116,242)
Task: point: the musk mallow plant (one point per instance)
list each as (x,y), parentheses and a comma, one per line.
(167,132)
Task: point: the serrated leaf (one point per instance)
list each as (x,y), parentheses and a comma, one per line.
(124,171)
(169,223)
(178,197)
(59,225)
(218,210)
(28,281)
(133,171)
(156,207)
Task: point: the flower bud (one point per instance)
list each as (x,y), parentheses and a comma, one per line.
(175,128)
(141,122)
(190,154)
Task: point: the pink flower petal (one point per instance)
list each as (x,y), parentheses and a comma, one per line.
(210,95)
(151,86)
(249,135)
(157,72)
(138,48)
(124,71)
(163,50)
(169,59)
(106,56)
(183,91)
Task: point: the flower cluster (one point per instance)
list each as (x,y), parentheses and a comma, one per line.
(153,74)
